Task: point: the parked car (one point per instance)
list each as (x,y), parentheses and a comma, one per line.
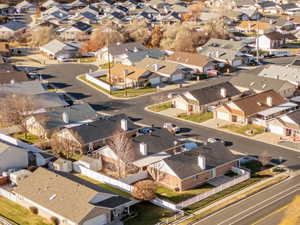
(171,128)
(214,140)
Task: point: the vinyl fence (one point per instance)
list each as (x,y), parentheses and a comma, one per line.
(9,195)
(135,177)
(102,178)
(244,175)
(98,82)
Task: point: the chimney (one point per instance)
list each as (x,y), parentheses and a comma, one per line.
(201,162)
(156,67)
(124,124)
(269,101)
(143,148)
(135,49)
(217,54)
(12,81)
(223,92)
(65,117)
(118,43)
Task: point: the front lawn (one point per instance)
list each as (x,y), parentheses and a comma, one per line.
(248,130)
(177,197)
(27,137)
(18,215)
(148,214)
(160,107)
(198,118)
(105,186)
(131,92)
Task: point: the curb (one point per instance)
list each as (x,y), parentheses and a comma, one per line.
(225,131)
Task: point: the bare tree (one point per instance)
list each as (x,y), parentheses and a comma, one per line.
(15,110)
(41,35)
(122,146)
(156,172)
(265,158)
(138,31)
(66,146)
(144,190)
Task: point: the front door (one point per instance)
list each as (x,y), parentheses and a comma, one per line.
(234,118)
(190,108)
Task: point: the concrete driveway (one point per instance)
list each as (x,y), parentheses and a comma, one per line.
(172,112)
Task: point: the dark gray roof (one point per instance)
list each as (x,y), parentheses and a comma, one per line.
(112,202)
(295,116)
(13,25)
(213,93)
(185,164)
(76,113)
(82,26)
(140,55)
(101,128)
(158,141)
(265,4)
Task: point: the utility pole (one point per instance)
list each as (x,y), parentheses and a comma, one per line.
(257,45)
(109,72)
(125,76)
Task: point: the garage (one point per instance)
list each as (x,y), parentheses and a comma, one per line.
(180,103)
(99,220)
(276,129)
(237,62)
(154,81)
(176,77)
(223,116)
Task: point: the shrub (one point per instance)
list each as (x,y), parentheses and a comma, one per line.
(54,220)
(147,84)
(253,165)
(144,190)
(34,210)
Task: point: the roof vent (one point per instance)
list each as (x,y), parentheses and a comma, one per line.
(124,124)
(269,101)
(201,162)
(258,103)
(65,117)
(143,148)
(223,92)
(12,81)
(52,197)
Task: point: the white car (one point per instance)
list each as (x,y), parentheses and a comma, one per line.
(171,127)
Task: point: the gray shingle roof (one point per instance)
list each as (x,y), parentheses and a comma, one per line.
(14,26)
(185,164)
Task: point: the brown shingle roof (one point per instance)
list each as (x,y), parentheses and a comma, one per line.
(17,76)
(274,35)
(133,72)
(189,58)
(258,102)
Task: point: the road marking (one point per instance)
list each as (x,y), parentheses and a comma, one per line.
(276,200)
(269,215)
(254,206)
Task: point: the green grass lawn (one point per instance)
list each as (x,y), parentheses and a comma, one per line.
(105,186)
(28,138)
(131,92)
(198,118)
(106,65)
(243,129)
(177,197)
(160,107)
(223,194)
(18,215)
(148,214)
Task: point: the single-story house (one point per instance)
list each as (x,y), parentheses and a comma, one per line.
(253,26)
(289,73)
(10,30)
(55,48)
(199,63)
(244,110)
(246,81)
(168,70)
(44,124)
(92,135)
(270,40)
(26,7)
(79,31)
(69,200)
(287,125)
(12,157)
(133,57)
(199,100)
(192,168)
(132,76)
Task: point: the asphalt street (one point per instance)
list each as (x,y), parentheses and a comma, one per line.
(256,208)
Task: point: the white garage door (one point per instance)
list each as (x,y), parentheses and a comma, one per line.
(180,104)
(237,63)
(99,220)
(177,77)
(276,129)
(223,116)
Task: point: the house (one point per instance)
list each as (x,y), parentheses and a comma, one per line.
(132,76)
(270,41)
(26,7)
(68,200)
(148,147)
(115,52)
(267,7)
(168,70)
(94,134)
(78,31)
(253,27)
(12,76)
(289,73)
(287,125)
(11,30)
(245,82)
(223,51)
(49,4)
(289,8)
(199,63)
(12,157)
(130,58)
(45,123)
(248,13)
(192,168)
(56,48)
(200,100)
(244,110)
(33,87)
(90,163)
